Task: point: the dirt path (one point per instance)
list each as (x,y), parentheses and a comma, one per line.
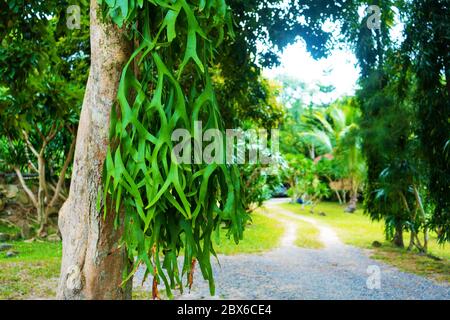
(327,235)
(336,272)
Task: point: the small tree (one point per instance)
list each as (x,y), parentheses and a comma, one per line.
(304,181)
(335,131)
(40,95)
(331,170)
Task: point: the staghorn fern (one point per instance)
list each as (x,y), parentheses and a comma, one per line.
(170,209)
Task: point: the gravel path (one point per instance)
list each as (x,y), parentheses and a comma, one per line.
(289,273)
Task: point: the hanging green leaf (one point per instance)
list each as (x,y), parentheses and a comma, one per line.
(171,209)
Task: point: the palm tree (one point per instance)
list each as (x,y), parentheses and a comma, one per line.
(335,131)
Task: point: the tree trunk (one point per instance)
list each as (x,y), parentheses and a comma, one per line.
(398,237)
(338,197)
(412,241)
(313,152)
(424,218)
(92,263)
(353,202)
(42,195)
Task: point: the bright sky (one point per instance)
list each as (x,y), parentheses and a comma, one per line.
(339,70)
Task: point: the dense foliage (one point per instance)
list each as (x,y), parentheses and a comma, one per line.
(169,206)
(428,55)
(44,69)
(201,60)
(405,112)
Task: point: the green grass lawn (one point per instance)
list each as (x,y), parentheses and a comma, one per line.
(33,273)
(8,229)
(358,230)
(308,236)
(262,234)
(354,229)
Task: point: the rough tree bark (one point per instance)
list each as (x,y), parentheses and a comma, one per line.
(92,263)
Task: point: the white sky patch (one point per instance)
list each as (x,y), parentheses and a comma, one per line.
(396,33)
(338,70)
